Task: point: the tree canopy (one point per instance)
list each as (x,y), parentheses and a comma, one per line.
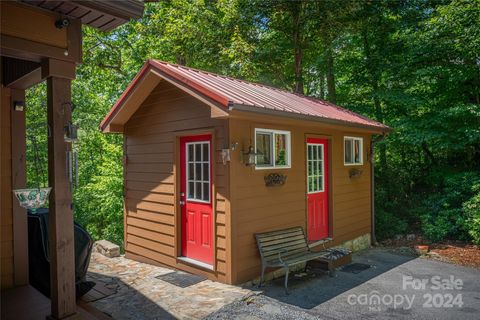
(413,65)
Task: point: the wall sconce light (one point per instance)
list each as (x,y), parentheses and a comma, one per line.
(18,105)
(250,157)
(225,156)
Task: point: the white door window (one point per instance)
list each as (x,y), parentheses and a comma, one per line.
(315,174)
(198,171)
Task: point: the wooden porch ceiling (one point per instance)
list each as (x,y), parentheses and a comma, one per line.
(19,74)
(104,15)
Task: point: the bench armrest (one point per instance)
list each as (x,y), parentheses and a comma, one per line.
(280,254)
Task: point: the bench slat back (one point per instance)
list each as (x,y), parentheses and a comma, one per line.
(288,242)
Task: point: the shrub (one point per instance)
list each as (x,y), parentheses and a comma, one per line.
(472,211)
(388,224)
(451,212)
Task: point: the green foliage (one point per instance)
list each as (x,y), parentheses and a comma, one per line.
(450,213)
(413,65)
(471,208)
(98,201)
(281,160)
(36,122)
(388,225)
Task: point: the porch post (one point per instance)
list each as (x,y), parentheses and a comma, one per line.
(62,260)
(19,180)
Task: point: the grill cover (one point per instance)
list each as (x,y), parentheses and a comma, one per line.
(39,258)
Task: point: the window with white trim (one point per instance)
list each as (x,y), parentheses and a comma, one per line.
(273,148)
(353,151)
(315,167)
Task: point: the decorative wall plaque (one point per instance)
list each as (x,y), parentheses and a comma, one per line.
(355,173)
(275,179)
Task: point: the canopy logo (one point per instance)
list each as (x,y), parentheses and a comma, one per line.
(439,293)
(374,300)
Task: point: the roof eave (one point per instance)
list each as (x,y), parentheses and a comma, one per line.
(105,124)
(377,129)
(217,102)
(125,9)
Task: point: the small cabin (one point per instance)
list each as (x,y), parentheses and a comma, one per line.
(210,160)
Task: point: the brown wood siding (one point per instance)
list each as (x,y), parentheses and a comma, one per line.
(257,208)
(6,223)
(150,202)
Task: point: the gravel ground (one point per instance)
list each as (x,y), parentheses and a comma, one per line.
(318,296)
(260,307)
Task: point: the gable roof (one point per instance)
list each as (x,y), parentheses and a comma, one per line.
(230,94)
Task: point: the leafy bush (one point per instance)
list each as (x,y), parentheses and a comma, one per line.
(450,214)
(472,211)
(388,224)
(99,200)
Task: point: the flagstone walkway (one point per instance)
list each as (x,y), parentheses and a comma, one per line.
(133,292)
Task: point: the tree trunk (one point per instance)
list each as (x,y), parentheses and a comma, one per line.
(322,85)
(298,49)
(428,153)
(332,92)
(181,60)
(374,82)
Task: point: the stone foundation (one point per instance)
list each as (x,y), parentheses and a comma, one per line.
(357,244)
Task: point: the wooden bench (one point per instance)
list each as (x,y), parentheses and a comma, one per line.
(284,248)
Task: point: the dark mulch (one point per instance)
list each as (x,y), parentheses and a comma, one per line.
(459,253)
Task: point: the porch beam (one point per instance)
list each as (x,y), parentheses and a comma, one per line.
(27,80)
(62,259)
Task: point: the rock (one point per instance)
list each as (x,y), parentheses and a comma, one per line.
(398,237)
(410,237)
(107,248)
(421,249)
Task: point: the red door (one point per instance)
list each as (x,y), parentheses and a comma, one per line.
(317,189)
(196,198)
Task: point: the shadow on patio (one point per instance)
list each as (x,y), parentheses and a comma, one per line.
(120,300)
(317,287)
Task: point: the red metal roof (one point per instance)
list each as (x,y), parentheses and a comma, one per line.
(234,93)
